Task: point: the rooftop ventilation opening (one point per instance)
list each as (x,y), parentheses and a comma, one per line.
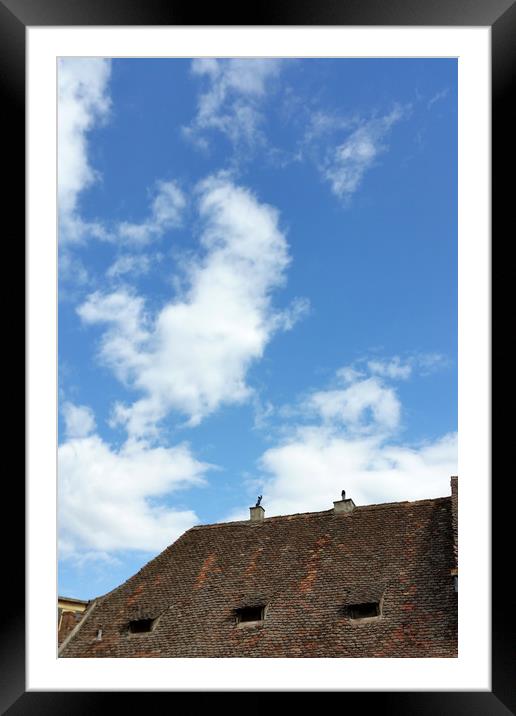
(250,615)
(365,610)
(140,626)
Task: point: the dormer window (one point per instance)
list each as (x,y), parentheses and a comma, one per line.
(250,615)
(365,610)
(362,611)
(140,626)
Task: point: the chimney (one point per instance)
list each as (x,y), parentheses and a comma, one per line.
(257,513)
(343,506)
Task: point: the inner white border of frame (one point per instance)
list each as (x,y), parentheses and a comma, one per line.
(471,670)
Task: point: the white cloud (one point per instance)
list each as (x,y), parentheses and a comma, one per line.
(231,102)
(193,355)
(360,398)
(122,344)
(114,499)
(351,443)
(79,420)
(308,472)
(83,102)
(364,405)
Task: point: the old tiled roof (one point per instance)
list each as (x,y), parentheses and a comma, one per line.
(306,569)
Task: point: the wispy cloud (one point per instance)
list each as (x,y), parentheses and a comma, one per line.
(345,166)
(167,209)
(166,212)
(194,354)
(324,124)
(392,368)
(427,363)
(398,368)
(231,101)
(345,148)
(133,264)
(437,97)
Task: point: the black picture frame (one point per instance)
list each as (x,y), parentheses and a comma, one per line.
(500,16)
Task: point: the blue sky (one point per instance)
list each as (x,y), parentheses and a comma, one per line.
(257,295)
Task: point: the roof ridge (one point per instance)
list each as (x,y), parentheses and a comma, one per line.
(379,505)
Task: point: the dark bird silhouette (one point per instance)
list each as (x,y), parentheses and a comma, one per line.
(343,493)
(258,501)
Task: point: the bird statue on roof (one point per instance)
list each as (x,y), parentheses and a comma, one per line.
(258,501)
(343,493)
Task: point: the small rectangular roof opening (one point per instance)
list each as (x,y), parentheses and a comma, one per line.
(250,615)
(365,610)
(361,610)
(140,626)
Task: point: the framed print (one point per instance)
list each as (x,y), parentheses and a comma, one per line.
(252,152)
